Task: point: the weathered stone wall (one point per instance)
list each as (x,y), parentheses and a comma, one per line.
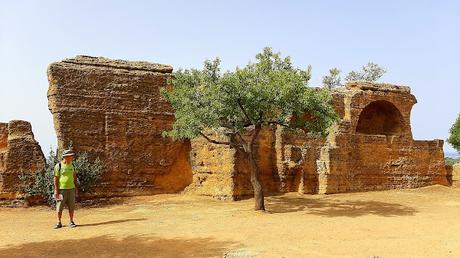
(113,110)
(370,149)
(455,174)
(213,167)
(378,162)
(19,154)
(287,163)
(297,154)
(223,172)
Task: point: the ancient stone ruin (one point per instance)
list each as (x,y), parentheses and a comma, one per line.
(19,154)
(455,173)
(113,110)
(370,149)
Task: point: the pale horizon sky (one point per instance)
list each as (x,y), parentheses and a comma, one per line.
(418,42)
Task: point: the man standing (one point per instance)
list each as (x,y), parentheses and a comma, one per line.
(65,187)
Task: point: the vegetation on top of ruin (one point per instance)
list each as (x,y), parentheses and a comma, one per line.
(267,92)
(370,72)
(454,138)
(332,80)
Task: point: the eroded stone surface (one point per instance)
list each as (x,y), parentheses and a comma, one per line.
(113,110)
(19,154)
(455,173)
(370,149)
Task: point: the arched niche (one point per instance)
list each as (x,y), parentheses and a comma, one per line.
(380,117)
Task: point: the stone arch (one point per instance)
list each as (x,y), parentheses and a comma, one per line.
(380,117)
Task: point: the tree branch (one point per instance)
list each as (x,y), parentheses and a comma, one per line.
(276,123)
(238,100)
(241,137)
(214,141)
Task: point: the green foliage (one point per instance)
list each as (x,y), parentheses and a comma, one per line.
(89,172)
(370,72)
(268,91)
(42,182)
(451,161)
(454,138)
(332,80)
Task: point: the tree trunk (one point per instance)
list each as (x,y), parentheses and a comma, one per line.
(255,175)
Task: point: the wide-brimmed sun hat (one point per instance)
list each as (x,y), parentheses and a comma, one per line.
(68,153)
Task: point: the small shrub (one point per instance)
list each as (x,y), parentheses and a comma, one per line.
(452,161)
(42,183)
(89,172)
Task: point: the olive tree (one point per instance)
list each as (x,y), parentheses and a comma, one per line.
(269,91)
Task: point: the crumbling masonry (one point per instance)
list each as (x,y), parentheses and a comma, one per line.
(19,154)
(370,149)
(113,110)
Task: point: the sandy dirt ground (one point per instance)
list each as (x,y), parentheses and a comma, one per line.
(399,223)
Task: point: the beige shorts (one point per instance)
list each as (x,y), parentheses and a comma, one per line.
(68,199)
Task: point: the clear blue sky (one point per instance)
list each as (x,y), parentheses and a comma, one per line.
(417,41)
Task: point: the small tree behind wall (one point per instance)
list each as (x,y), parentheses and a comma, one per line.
(454,137)
(370,72)
(267,92)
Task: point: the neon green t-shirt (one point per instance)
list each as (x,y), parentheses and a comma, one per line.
(65,176)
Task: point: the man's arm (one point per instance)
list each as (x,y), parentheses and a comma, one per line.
(56,187)
(75,181)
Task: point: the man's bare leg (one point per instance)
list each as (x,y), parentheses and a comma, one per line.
(59,215)
(71,215)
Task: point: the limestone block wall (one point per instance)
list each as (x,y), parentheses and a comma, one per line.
(19,154)
(297,154)
(113,110)
(213,167)
(371,148)
(287,163)
(455,173)
(223,172)
(378,162)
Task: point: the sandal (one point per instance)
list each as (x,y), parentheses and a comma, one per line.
(72,224)
(58,225)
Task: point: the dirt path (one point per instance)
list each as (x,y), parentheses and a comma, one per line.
(409,223)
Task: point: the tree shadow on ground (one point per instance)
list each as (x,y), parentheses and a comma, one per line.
(131,246)
(336,208)
(109,222)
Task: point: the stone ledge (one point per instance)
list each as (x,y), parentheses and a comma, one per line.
(119,64)
(373,86)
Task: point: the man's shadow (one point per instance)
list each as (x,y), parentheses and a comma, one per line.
(110,222)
